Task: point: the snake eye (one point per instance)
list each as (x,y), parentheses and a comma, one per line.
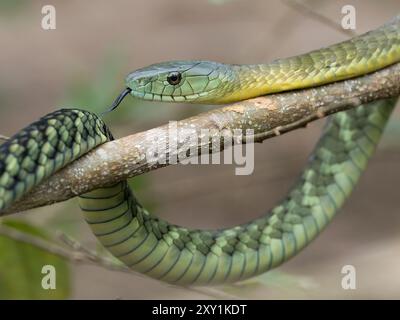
(174,78)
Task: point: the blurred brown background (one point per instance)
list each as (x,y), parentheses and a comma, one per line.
(83,64)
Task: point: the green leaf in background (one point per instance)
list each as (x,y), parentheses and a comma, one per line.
(10,7)
(98,92)
(21,267)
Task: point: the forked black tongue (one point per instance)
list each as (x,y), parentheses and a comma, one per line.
(118,100)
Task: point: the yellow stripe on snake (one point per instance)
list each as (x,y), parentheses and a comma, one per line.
(176,254)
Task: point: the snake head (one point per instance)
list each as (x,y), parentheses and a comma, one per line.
(181,81)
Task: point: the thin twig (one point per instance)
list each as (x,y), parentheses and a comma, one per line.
(92,256)
(78,254)
(109,264)
(40,243)
(309,12)
(3,138)
(75,256)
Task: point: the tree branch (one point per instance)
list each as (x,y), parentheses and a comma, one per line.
(268,116)
(77,254)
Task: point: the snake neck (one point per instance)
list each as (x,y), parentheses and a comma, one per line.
(358,56)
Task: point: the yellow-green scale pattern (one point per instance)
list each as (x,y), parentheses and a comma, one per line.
(360,55)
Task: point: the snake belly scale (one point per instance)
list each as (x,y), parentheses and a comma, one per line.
(179,255)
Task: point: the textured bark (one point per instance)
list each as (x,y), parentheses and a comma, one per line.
(268,116)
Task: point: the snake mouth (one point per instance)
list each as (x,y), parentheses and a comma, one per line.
(165,98)
(119,99)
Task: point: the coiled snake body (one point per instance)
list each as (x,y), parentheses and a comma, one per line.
(182,256)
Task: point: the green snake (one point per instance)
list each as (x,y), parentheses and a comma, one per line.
(183,256)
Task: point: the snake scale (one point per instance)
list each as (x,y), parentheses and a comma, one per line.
(179,255)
